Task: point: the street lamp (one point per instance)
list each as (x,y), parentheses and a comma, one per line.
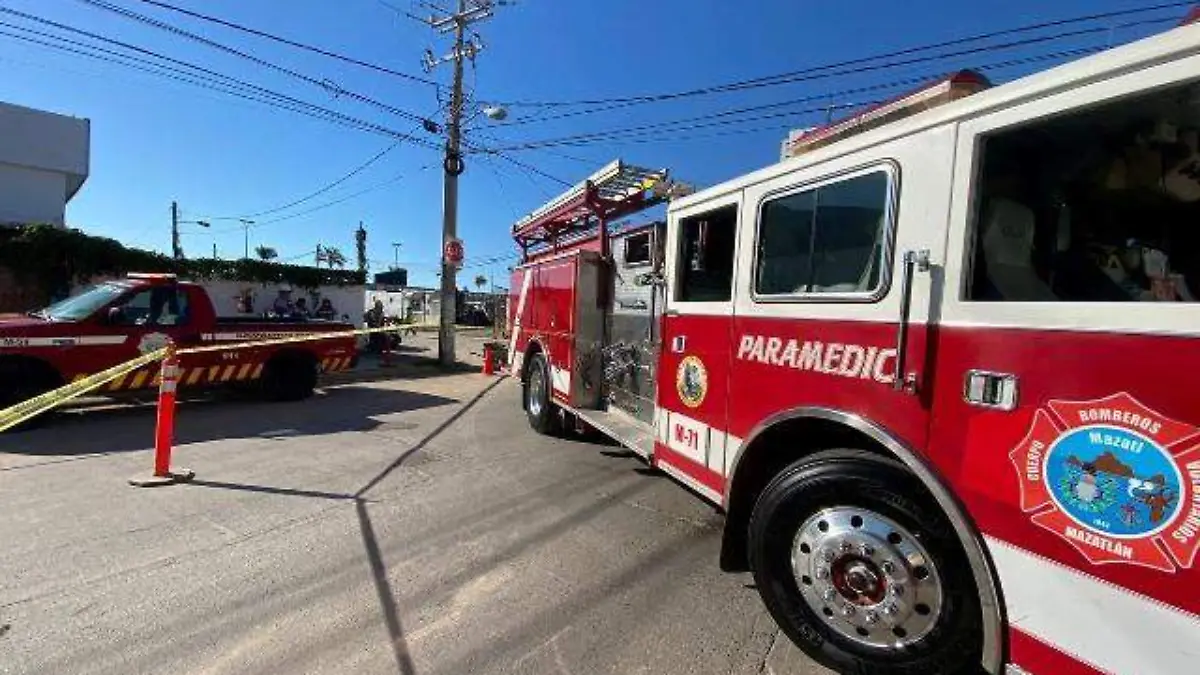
(497,113)
(246,231)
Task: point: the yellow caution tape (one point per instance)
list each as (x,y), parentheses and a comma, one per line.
(14,415)
(303,337)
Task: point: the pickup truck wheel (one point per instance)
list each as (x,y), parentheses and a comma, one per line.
(543,415)
(289,378)
(18,384)
(862,571)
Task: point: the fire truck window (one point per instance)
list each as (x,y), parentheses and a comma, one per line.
(637,249)
(154,307)
(705,268)
(1097,205)
(828,240)
(849,240)
(785,244)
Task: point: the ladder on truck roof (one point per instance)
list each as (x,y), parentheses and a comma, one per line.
(615,191)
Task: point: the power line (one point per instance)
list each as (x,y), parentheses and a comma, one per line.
(704,121)
(791,76)
(292,43)
(327,85)
(395,179)
(225,83)
(848,71)
(326,188)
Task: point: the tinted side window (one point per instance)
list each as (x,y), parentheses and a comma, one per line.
(1099,204)
(850,232)
(705,266)
(827,240)
(160,306)
(785,242)
(637,249)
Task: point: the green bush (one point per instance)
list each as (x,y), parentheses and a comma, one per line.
(55,258)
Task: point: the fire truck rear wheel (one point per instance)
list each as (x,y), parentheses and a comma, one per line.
(863,572)
(543,415)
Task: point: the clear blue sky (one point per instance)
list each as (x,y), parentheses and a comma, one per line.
(156,140)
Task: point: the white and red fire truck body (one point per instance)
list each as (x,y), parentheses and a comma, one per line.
(1054,426)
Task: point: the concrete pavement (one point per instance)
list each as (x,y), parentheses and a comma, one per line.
(410,526)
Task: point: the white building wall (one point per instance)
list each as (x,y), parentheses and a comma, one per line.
(31,196)
(44,160)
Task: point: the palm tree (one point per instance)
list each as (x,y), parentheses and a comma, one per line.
(266,252)
(480,281)
(334,257)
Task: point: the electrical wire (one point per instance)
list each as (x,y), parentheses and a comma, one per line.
(704,121)
(327,85)
(292,43)
(218,81)
(326,188)
(791,76)
(391,181)
(862,69)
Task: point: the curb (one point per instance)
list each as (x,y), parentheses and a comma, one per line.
(401,369)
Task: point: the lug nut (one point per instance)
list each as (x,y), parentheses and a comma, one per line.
(822,572)
(890,610)
(887,567)
(828,555)
(846,546)
(867,550)
(897,590)
(871,617)
(829,595)
(848,610)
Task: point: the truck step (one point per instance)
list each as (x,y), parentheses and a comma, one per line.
(625,429)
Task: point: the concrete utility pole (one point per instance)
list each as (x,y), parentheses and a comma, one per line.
(469,11)
(176,249)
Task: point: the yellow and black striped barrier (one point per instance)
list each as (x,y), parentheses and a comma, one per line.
(119,377)
(14,415)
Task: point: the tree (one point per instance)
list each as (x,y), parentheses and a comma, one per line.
(265,252)
(480,281)
(360,247)
(334,257)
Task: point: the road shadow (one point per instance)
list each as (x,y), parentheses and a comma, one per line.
(379,573)
(131,428)
(383,589)
(402,368)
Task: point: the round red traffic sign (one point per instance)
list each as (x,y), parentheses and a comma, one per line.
(453,252)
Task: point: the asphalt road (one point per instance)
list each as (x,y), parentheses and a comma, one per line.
(411,526)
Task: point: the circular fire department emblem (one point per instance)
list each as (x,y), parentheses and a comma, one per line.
(691,381)
(152,342)
(1116,480)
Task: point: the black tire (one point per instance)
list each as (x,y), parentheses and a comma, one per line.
(19,382)
(289,378)
(544,416)
(831,485)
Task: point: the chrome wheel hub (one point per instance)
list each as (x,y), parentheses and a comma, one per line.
(537,387)
(868,578)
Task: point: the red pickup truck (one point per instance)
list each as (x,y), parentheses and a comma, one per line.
(117,321)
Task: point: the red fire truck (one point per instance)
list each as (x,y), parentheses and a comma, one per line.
(935,366)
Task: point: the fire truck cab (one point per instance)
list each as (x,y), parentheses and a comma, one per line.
(935,365)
